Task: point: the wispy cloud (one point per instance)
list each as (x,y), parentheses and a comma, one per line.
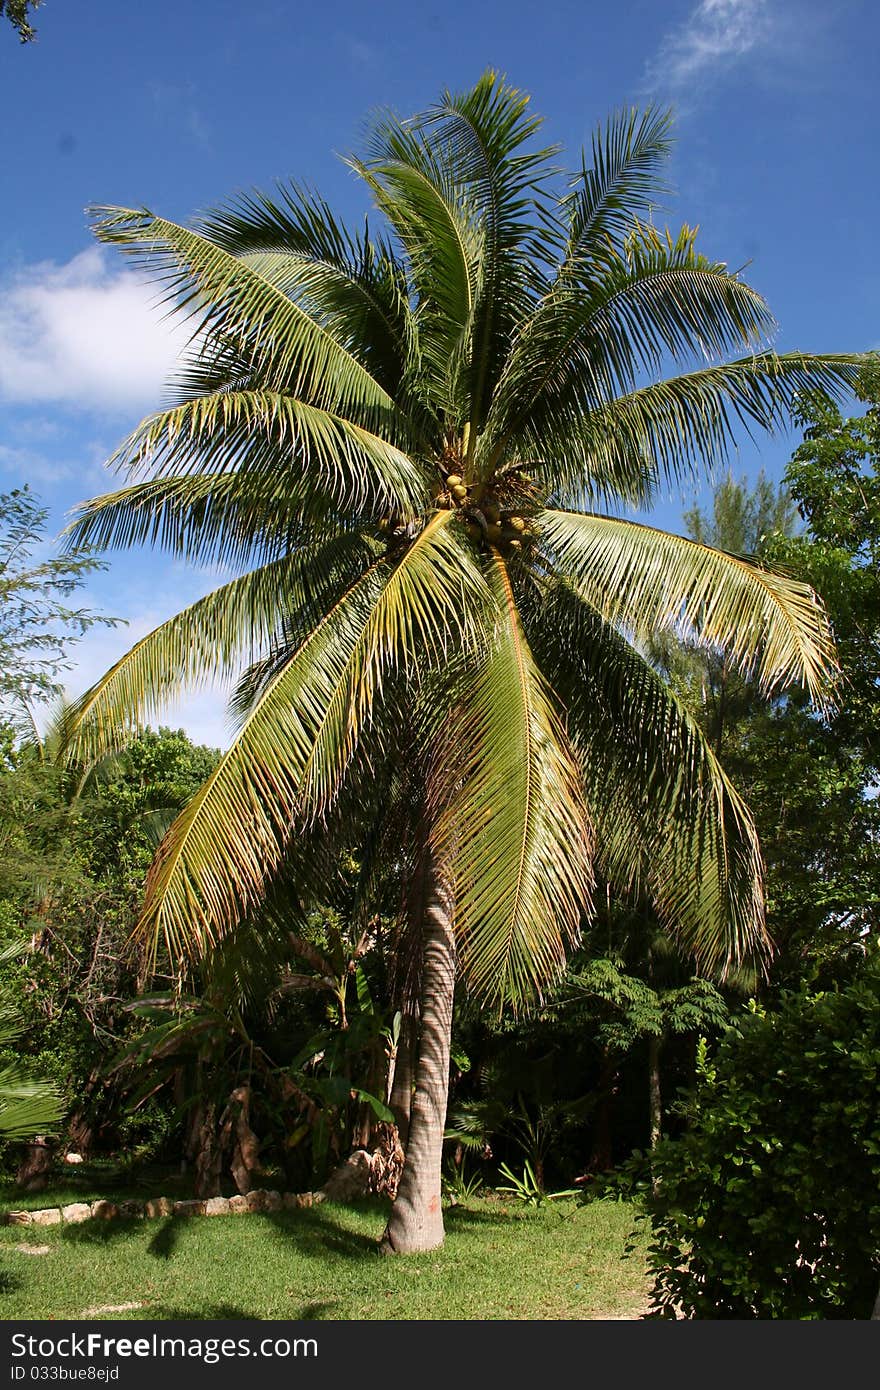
(84,334)
(178,105)
(716,35)
(19,465)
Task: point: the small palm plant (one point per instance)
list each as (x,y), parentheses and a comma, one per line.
(413,449)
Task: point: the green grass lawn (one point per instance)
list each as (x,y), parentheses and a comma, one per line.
(560,1261)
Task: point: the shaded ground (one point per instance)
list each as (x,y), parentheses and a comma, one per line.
(562,1261)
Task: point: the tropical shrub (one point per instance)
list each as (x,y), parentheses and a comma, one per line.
(769,1205)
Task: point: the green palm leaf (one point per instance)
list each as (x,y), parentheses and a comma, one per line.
(621,182)
(648,581)
(669,824)
(657,299)
(671,429)
(442,245)
(301,731)
(324,455)
(225,298)
(347,282)
(519,341)
(221,519)
(208,641)
(28,1105)
(511,819)
(482,137)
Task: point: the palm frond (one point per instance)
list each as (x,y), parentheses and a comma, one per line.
(673,430)
(442,245)
(258,433)
(656,300)
(481,137)
(209,641)
(621,184)
(644,580)
(669,824)
(301,731)
(348,282)
(226,299)
(511,821)
(209,519)
(27,1107)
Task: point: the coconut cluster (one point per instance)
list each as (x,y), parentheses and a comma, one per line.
(485,519)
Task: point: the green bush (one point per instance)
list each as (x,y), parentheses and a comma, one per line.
(769,1205)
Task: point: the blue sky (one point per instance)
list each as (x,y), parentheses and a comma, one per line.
(176,104)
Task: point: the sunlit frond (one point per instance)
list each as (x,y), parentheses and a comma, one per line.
(683,427)
(209,641)
(348,282)
(483,138)
(223,297)
(443,246)
(621,183)
(658,300)
(512,822)
(228,519)
(646,580)
(261,433)
(301,731)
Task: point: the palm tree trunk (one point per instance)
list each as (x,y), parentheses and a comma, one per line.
(416,1221)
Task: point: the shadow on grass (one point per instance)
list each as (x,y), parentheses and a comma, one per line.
(92,1181)
(319,1230)
(319,1312)
(164,1242)
(461,1217)
(162,1312)
(9,1283)
(100,1231)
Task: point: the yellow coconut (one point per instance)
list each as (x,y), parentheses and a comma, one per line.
(453,480)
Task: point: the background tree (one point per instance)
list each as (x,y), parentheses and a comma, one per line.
(411,440)
(809,780)
(37,627)
(75,847)
(18,14)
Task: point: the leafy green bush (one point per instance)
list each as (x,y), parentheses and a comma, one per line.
(769,1205)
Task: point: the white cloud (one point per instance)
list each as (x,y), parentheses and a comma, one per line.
(85,334)
(715,35)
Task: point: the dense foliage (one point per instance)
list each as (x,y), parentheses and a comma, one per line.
(74,852)
(768,1206)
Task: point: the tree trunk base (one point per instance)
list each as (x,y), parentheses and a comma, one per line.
(419,1231)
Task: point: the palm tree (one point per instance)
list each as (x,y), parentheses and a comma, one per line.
(413,450)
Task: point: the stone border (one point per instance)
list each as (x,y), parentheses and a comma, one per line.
(259,1200)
